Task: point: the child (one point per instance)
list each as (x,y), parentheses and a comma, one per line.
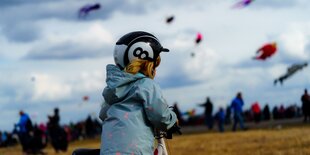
(134,105)
(221,119)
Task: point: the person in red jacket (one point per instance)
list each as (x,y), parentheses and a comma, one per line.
(256,112)
(266,51)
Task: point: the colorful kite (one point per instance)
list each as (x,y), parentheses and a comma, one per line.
(84,11)
(198,39)
(190,113)
(266,51)
(242,3)
(290,71)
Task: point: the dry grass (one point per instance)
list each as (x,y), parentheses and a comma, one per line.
(291,141)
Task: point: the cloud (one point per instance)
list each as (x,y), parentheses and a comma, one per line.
(16,11)
(52,88)
(279,4)
(8,3)
(276,3)
(176,80)
(89,82)
(294,45)
(87,41)
(19,18)
(21,32)
(13,88)
(49,88)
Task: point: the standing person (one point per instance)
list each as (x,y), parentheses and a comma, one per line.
(275,113)
(24,127)
(266,112)
(228,115)
(57,134)
(89,127)
(220,115)
(208,113)
(236,105)
(305,99)
(256,112)
(134,104)
(177,111)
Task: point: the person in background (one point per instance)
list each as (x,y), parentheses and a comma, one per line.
(208,113)
(57,134)
(305,99)
(266,113)
(177,111)
(220,115)
(256,112)
(24,129)
(89,127)
(236,105)
(228,115)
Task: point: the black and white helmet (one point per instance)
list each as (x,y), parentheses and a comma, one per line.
(138,44)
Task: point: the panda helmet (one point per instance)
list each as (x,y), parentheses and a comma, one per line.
(137,45)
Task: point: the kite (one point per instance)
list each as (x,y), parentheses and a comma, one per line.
(169,19)
(198,38)
(197,41)
(290,71)
(266,51)
(190,113)
(85,98)
(83,12)
(242,3)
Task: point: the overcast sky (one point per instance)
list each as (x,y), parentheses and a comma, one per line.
(50,58)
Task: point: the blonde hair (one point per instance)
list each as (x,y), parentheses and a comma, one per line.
(144,66)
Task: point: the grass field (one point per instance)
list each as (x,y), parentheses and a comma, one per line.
(287,141)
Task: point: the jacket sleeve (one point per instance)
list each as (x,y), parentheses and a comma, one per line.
(103,111)
(157,110)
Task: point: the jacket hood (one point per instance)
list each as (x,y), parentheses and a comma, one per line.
(119,83)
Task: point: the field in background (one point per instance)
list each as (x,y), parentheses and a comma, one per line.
(275,141)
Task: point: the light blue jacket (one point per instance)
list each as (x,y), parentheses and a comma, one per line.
(134,106)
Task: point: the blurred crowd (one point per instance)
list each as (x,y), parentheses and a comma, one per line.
(35,137)
(235,114)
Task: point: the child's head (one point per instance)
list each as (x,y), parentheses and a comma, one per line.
(138,52)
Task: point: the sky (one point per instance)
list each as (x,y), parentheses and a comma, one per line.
(51,58)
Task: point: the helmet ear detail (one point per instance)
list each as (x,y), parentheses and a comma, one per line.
(137,45)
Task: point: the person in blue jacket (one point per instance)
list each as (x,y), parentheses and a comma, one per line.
(24,128)
(134,105)
(220,115)
(236,106)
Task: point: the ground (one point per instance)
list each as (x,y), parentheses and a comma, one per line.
(290,140)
